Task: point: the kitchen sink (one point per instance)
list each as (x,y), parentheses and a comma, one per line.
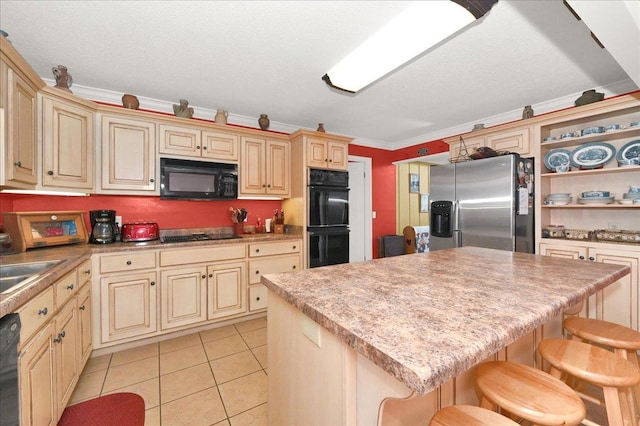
(14,275)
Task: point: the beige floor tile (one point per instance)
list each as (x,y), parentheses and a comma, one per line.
(134,354)
(185,382)
(152,417)
(89,386)
(251,325)
(257,416)
(244,393)
(225,347)
(130,373)
(201,408)
(225,422)
(218,333)
(234,366)
(149,390)
(180,343)
(182,358)
(261,354)
(255,338)
(97,363)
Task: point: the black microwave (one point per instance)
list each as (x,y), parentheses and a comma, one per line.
(197,180)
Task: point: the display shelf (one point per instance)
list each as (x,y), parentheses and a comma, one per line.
(603,171)
(593,206)
(630,132)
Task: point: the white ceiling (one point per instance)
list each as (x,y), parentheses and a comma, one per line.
(269,56)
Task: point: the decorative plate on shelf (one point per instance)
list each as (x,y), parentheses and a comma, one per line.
(629,151)
(592,155)
(557,157)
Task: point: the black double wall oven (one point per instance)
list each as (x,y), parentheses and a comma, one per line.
(328,217)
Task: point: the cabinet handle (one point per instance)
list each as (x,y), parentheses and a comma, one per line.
(198,147)
(82,308)
(331,161)
(591,258)
(87,271)
(257,250)
(43,311)
(62,333)
(58,339)
(70,287)
(204,147)
(263,186)
(294,247)
(50,172)
(257,272)
(210,275)
(581,257)
(152,180)
(204,276)
(152,283)
(269,186)
(128,262)
(258,298)
(294,266)
(18,164)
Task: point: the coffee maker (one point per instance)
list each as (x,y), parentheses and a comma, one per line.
(104,229)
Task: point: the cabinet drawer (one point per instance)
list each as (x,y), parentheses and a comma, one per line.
(257,297)
(127,262)
(35,313)
(84,273)
(270,249)
(66,287)
(201,255)
(260,267)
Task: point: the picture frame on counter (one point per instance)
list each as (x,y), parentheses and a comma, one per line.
(414,183)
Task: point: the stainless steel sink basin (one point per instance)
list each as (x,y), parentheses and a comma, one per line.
(12,276)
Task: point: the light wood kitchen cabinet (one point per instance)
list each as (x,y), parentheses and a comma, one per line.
(264,168)
(68,142)
(514,140)
(326,153)
(193,142)
(128,305)
(270,258)
(36,370)
(459,150)
(128,155)
(183,296)
(55,345)
(618,302)
(226,289)
(506,138)
(18,120)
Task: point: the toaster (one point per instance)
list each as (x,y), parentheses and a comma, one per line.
(140,231)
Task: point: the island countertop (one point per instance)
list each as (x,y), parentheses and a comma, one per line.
(425,318)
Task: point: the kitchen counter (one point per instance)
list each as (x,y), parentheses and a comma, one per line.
(425,318)
(74,255)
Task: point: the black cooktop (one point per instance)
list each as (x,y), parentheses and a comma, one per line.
(195,237)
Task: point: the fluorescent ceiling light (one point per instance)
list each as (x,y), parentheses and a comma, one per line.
(38,192)
(420,26)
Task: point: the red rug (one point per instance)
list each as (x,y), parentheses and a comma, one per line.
(118,409)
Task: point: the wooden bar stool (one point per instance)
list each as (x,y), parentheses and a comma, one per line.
(528,393)
(469,415)
(622,340)
(599,367)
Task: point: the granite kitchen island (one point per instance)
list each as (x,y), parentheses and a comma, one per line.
(390,341)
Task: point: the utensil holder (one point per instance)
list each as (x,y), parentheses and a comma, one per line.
(278,228)
(238,228)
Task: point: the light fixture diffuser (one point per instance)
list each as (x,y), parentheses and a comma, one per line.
(420,26)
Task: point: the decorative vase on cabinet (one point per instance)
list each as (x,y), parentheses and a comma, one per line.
(263,121)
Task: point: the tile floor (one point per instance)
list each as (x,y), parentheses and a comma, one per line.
(214,377)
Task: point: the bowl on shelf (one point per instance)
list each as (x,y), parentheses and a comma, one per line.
(596,194)
(634,189)
(628,162)
(561,168)
(592,130)
(631,195)
(612,127)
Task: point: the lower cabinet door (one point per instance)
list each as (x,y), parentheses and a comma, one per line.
(36,377)
(67,356)
(84,324)
(183,296)
(128,306)
(226,289)
(257,297)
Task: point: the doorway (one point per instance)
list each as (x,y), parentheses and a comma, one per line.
(360,209)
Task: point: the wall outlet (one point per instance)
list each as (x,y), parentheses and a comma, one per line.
(373,215)
(612,225)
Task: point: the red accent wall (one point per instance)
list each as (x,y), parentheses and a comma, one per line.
(167,213)
(433,147)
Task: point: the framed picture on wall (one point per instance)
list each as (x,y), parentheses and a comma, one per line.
(424,203)
(414,182)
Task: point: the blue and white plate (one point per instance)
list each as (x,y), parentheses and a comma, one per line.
(592,155)
(557,157)
(629,151)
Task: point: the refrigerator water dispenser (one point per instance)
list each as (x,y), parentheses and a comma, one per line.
(441,219)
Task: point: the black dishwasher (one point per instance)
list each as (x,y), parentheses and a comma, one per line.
(9,339)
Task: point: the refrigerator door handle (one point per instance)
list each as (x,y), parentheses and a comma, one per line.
(457,232)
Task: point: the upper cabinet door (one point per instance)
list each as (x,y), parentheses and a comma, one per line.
(278,169)
(67,145)
(252,167)
(179,140)
(21,131)
(128,154)
(220,146)
(316,153)
(337,155)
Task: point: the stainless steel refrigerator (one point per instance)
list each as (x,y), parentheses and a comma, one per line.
(484,203)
